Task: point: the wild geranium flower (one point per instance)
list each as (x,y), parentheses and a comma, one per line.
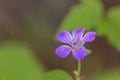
(74,42)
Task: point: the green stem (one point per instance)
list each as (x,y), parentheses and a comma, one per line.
(77,72)
(79,67)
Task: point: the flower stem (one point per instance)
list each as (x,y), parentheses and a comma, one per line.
(79,67)
(77,72)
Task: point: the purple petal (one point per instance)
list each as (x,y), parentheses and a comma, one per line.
(80,53)
(63,51)
(88,37)
(77,34)
(65,37)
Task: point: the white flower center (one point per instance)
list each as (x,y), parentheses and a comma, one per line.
(76,46)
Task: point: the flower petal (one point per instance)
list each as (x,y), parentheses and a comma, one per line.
(63,51)
(80,53)
(77,34)
(88,37)
(65,37)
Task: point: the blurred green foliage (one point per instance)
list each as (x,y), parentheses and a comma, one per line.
(57,75)
(90,14)
(86,14)
(108,75)
(17,62)
(110,27)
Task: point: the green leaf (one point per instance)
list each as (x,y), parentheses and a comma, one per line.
(57,75)
(114,27)
(87,14)
(108,75)
(88,52)
(111,27)
(17,62)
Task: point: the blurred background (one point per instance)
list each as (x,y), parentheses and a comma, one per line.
(36,22)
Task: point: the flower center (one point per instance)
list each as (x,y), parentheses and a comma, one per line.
(76,45)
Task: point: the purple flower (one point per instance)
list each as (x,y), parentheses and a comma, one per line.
(75,42)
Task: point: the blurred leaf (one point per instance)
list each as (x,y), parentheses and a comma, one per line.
(87,14)
(88,52)
(17,62)
(57,75)
(111,27)
(101,29)
(108,75)
(114,26)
